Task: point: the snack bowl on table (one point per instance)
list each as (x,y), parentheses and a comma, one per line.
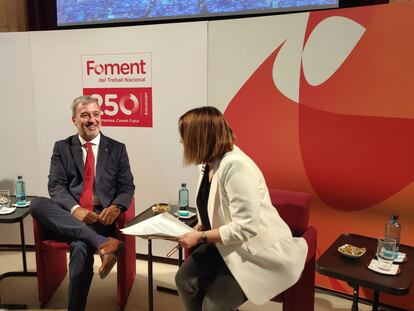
(161,208)
(351,251)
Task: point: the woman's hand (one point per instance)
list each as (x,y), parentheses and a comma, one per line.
(190,239)
(198,227)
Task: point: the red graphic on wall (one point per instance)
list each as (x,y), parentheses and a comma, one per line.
(369,157)
(347,137)
(355,159)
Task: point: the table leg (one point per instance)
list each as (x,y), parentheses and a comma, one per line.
(375,300)
(23,246)
(167,290)
(356,298)
(18,273)
(150,289)
(5,306)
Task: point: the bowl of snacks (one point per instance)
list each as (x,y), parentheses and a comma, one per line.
(351,251)
(160,208)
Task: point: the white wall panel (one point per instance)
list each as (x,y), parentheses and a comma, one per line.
(179,81)
(18,146)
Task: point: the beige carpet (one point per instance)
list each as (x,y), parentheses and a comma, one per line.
(102,296)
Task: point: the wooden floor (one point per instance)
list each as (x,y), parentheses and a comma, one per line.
(102,294)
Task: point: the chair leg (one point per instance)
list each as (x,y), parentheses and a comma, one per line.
(126,271)
(51,268)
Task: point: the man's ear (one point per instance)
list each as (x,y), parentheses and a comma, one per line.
(73,120)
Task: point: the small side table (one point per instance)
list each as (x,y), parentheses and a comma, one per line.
(148,213)
(356,273)
(17,216)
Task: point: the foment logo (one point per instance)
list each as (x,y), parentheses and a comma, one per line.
(115,68)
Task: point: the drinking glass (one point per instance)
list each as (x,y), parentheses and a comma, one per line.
(385,253)
(4,199)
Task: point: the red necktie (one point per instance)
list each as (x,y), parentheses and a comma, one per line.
(86,199)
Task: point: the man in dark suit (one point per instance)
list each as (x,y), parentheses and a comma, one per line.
(90,184)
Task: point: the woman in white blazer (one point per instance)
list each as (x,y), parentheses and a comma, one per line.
(244,249)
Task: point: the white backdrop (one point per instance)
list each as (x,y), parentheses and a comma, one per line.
(41,76)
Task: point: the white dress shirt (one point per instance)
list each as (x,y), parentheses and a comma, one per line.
(95,148)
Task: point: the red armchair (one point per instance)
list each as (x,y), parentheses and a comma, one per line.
(294,207)
(51,262)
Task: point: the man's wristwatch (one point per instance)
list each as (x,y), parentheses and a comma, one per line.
(203,237)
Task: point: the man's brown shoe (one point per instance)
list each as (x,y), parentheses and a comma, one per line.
(109,253)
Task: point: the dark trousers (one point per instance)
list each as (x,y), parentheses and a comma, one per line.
(83,239)
(205,283)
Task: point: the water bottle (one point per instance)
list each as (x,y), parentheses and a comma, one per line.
(20,191)
(393,231)
(183,197)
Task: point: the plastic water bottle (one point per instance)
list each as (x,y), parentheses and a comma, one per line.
(20,191)
(393,231)
(183,197)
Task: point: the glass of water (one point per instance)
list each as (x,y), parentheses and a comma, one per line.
(4,199)
(385,253)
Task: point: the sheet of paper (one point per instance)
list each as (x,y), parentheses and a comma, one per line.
(162,226)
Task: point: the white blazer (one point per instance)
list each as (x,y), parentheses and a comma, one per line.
(257,245)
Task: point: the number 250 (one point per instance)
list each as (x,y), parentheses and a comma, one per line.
(110,101)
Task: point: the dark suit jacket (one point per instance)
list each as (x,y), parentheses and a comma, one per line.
(113,177)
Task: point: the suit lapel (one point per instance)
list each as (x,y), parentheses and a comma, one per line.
(77,153)
(212,199)
(200,178)
(103,151)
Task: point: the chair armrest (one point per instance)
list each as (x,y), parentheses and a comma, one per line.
(52,244)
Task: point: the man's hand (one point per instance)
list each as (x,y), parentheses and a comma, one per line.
(109,215)
(85,215)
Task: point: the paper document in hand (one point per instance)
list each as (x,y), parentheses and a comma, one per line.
(162,226)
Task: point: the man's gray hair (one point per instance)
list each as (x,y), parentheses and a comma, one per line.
(82,100)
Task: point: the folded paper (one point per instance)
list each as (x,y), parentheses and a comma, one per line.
(163,226)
